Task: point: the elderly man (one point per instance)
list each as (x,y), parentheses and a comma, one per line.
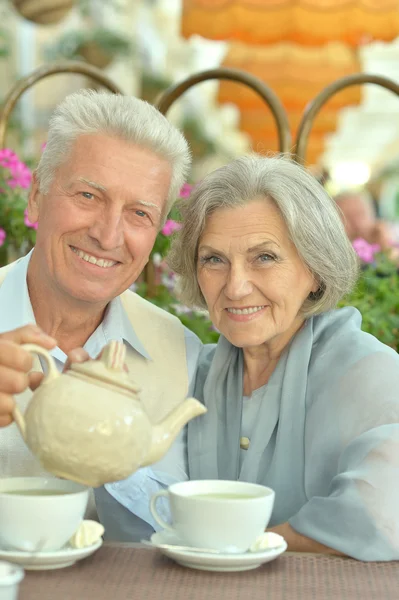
(109,174)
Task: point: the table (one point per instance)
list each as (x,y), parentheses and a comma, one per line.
(126,571)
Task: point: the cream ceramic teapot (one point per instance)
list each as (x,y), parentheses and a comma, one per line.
(88,424)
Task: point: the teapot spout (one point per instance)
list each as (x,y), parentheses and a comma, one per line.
(165,433)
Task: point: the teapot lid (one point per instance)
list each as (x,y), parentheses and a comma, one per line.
(109,367)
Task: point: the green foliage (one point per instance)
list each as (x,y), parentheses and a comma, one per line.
(70,44)
(12,210)
(20,238)
(197,321)
(5,43)
(376,296)
(200,142)
(86,7)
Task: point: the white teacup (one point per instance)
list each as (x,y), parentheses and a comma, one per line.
(222,515)
(38,513)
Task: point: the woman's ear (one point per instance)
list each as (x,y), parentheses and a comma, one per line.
(316,286)
(317,291)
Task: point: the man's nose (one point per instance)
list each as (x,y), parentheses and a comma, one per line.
(108,229)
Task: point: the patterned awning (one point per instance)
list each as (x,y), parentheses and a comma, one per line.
(306,22)
(295,73)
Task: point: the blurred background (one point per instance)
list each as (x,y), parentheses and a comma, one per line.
(297,47)
(146,45)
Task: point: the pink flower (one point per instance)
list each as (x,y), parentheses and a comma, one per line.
(21,175)
(3,236)
(42,147)
(29,223)
(8,157)
(365,251)
(186,190)
(170,227)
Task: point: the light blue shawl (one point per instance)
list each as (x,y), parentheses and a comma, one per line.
(326,437)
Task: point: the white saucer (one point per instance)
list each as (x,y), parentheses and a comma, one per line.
(214,562)
(42,561)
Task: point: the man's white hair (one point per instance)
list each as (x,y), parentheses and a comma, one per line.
(125,117)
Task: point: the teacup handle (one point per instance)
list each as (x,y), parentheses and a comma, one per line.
(51,375)
(154,512)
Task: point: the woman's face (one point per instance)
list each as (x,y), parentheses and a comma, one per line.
(251,275)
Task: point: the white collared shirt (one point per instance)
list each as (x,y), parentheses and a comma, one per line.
(16,311)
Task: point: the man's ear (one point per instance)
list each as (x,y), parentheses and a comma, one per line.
(34,200)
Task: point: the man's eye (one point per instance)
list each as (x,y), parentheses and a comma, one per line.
(141,213)
(88,195)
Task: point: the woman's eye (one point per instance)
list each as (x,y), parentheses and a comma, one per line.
(88,195)
(266,258)
(211,260)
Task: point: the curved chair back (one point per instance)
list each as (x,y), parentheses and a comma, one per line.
(174,92)
(316,105)
(23,84)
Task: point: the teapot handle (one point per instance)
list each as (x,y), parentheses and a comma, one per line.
(51,375)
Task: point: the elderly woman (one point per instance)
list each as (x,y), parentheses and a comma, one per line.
(299,398)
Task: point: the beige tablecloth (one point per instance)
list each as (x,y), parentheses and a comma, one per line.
(118,572)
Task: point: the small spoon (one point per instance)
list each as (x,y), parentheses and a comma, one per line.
(183,548)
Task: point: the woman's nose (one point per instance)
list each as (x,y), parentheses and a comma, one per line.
(238,284)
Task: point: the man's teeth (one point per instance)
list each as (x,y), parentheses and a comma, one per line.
(100,262)
(245,311)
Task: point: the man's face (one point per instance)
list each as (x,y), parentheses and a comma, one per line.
(358,217)
(99,220)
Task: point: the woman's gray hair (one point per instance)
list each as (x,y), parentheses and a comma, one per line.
(311,216)
(125,117)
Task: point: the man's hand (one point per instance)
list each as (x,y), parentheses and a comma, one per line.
(78,355)
(16,364)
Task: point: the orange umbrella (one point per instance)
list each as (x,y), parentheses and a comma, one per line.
(306,22)
(295,73)
(261,122)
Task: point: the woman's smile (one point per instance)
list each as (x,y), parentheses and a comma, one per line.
(245,314)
